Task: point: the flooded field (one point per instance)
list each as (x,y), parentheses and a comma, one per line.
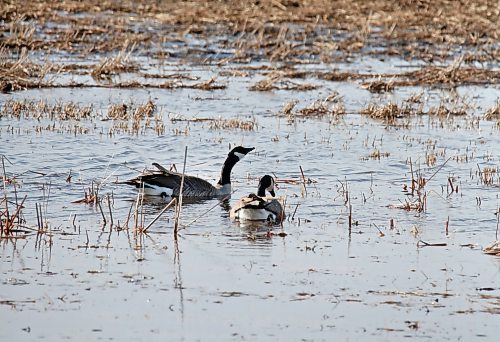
(380,124)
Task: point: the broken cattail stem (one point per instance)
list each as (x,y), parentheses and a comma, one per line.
(208,210)
(498,221)
(303,179)
(451,185)
(179,203)
(19,206)
(439,169)
(347,199)
(381,234)
(142,209)
(37,216)
(173,201)
(446,225)
(350,218)
(5,190)
(421,243)
(102,213)
(128,216)
(293,215)
(42,226)
(412,178)
(136,212)
(110,213)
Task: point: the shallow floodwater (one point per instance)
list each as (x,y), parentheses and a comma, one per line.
(320,280)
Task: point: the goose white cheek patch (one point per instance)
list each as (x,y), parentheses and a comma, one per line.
(239,155)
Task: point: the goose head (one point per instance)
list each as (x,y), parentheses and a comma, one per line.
(234,156)
(266,183)
(240,152)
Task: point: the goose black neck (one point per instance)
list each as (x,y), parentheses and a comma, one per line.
(225,177)
(261,192)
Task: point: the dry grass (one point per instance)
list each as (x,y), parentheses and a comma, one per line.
(388,112)
(244,125)
(115,65)
(131,118)
(31,109)
(286,32)
(379,86)
(493,248)
(331,106)
(278,80)
(493,113)
(489,176)
(219,123)
(261,28)
(453,75)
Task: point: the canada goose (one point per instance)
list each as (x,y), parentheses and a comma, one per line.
(259,207)
(163,182)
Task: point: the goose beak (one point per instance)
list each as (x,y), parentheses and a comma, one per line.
(241,151)
(272,193)
(248,150)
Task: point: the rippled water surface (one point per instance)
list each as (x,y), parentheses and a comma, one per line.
(320,280)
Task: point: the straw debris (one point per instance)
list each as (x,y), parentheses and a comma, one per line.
(493,113)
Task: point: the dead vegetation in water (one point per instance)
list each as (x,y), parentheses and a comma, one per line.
(493,113)
(451,76)
(39,109)
(131,118)
(220,123)
(13,224)
(493,248)
(388,112)
(377,155)
(278,80)
(379,86)
(489,176)
(332,106)
(115,65)
(244,125)
(279,32)
(416,191)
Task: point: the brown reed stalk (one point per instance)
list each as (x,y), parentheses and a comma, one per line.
(110,213)
(42,226)
(412,178)
(421,243)
(5,189)
(498,222)
(37,217)
(303,179)
(136,211)
(102,213)
(128,216)
(350,218)
(142,210)
(179,203)
(184,226)
(19,206)
(173,201)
